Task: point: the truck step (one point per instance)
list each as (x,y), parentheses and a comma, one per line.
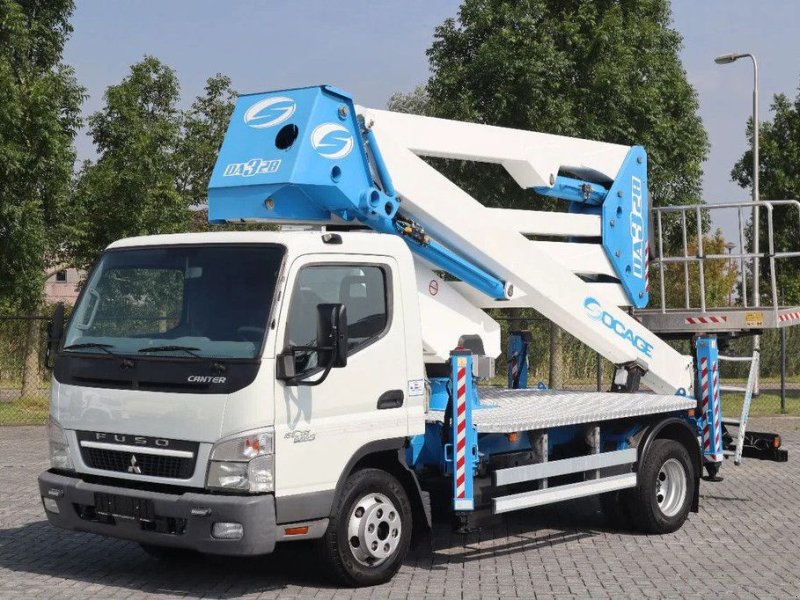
(565,466)
(592,487)
(733,388)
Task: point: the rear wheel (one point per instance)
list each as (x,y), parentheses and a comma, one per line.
(368,536)
(661,501)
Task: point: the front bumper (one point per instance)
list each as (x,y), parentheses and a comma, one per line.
(177,520)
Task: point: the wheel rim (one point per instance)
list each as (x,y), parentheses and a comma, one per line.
(671,487)
(374,530)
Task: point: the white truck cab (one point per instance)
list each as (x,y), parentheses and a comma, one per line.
(167,376)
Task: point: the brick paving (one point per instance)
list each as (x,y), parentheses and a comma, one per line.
(744,543)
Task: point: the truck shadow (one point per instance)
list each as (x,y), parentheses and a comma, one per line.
(40,549)
(523,531)
(37,548)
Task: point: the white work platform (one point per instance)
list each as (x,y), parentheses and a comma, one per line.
(505,411)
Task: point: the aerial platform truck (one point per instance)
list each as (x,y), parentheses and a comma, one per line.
(222,392)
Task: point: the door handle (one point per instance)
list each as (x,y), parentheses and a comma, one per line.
(390,399)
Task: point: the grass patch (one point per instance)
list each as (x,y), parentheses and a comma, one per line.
(763,404)
(25,411)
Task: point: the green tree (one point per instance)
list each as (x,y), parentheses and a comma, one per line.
(132,188)
(606,70)
(415,102)
(204,126)
(40,103)
(719,277)
(779,175)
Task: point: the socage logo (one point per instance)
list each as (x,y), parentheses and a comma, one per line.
(269,112)
(332,140)
(596,313)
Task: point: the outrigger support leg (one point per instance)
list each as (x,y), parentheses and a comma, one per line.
(707,367)
(465,442)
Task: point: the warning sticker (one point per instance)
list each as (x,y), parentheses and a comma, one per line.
(416,387)
(754,319)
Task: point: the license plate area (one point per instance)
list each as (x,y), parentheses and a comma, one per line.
(124,507)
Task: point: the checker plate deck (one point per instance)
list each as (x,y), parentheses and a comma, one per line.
(524,410)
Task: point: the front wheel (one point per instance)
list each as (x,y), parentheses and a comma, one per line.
(661,501)
(370,531)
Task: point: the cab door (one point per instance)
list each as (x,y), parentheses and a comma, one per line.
(318,429)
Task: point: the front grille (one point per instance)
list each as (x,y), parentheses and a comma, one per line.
(149,457)
(149,464)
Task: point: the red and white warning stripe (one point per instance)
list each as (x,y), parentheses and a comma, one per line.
(717,457)
(709,320)
(647,266)
(461,436)
(706,419)
(788,317)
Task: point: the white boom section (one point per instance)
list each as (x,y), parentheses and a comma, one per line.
(543,275)
(445,314)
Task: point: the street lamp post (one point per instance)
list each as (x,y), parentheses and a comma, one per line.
(724,60)
(729,246)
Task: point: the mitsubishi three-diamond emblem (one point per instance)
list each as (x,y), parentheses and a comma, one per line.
(134,468)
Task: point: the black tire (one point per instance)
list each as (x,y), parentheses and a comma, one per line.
(167,553)
(661,501)
(370,491)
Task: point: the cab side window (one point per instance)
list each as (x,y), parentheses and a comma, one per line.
(363,291)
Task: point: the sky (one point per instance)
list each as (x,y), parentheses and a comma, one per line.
(373,48)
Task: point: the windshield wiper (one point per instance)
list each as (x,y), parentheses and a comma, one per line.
(103,347)
(187,349)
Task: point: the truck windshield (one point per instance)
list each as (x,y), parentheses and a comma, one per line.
(189,301)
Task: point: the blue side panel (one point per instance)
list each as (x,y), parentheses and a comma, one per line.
(440,392)
(625,226)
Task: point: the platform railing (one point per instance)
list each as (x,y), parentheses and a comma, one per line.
(696,212)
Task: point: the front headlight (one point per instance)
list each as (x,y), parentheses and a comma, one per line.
(243,463)
(59,448)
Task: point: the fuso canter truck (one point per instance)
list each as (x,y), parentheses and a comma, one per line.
(225,392)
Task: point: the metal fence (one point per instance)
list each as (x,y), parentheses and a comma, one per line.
(24,381)
(556,359)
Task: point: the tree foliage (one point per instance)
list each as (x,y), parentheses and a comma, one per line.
(154,159)
(131,188)
(40,104)
(204,126)
(415,102)
(779,179)
(606,70)
(719,276)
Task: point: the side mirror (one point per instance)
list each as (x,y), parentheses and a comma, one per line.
(332,334)
(330,348)
(55,331)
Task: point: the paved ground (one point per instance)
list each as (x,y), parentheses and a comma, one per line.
(745,542)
